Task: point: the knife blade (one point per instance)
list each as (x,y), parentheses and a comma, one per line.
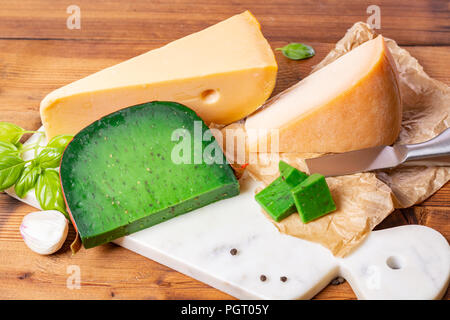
(356,161)
(434,152)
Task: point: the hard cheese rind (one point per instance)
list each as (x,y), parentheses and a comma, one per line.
(119,177)
(223,73)
(352,103)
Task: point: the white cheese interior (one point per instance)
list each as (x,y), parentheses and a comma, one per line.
(317,89)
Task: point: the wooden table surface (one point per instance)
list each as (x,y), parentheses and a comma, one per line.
(38,54)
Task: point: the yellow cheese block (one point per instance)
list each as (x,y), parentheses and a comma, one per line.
(352,103)
(224,73)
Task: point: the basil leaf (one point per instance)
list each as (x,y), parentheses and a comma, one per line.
(60,141)
(49,158)
(19,146)
(7,148)
(11,167)
(27,181)
(9,132)
(48,191)
(297,51)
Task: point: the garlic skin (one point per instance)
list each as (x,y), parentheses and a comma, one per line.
(44,232)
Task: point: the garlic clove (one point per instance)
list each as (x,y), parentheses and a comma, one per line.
(44,232)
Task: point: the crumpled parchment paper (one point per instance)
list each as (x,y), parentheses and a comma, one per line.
(363,200)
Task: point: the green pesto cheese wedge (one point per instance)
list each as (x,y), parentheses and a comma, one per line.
(292,176)
(141,166)
(313,198)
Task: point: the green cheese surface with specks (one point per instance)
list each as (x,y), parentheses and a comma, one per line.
(292,176)
(118,174)
(282,166)
(312,198)
(276,199)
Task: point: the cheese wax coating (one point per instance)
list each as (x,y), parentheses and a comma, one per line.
(125,172)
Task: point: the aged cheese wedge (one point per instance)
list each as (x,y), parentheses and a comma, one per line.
(223,73)
(352,103)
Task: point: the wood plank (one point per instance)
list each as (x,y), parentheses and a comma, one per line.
(30,69)
(111,272)
(438,217)
(107,272)
(440,198)
(38,54)
(409,22)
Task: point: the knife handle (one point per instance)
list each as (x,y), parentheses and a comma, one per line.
(434,152)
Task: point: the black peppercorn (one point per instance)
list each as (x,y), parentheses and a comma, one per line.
(337,281)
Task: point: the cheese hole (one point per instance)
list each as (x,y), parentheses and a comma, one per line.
(210,96)
(394,263)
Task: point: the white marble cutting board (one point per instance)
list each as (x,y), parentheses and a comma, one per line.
(407,262)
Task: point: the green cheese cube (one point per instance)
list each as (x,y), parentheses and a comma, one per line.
(313,198)
(282,166)
(276,199)
(291,175)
